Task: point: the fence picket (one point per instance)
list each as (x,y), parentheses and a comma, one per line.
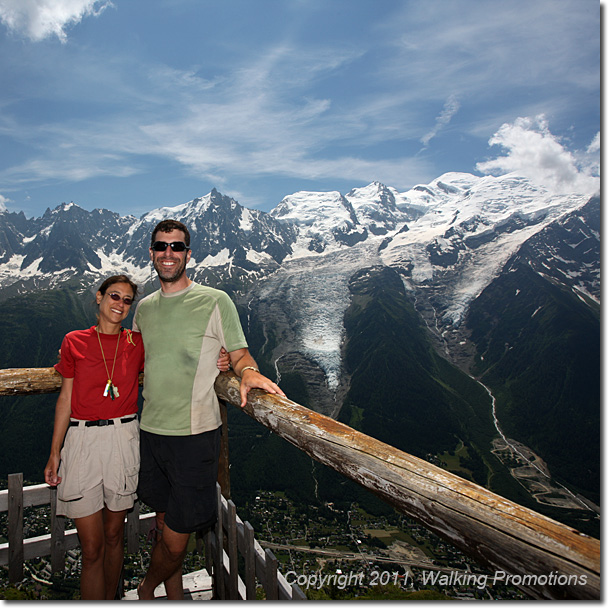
(232,550)
(58,538)
(15,527)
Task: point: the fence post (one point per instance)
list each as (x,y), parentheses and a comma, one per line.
(132,530)
(232,544)
(58,542)
(224,477)
(250,560)
(297,592)
(209,559)
(15,527)
(219,579)
(271,584)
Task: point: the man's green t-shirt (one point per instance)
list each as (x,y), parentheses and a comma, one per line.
(183,333)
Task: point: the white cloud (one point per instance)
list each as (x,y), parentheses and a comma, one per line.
(3,201)
(595,145)
(40,19)
(533,151)
(449,109)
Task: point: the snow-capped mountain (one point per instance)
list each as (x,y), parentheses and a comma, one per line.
(470,229)
(334,288)
(324,221)
(449,238)
(327,221)
(70,243)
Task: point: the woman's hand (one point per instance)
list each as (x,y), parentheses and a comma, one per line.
(224,362)
(50,471)
(62,422)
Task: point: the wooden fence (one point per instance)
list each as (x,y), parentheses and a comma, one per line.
(222,558)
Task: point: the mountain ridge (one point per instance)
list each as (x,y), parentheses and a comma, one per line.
(437,250)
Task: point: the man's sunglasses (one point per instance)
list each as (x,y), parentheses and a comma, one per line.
(176,246)
(117,297)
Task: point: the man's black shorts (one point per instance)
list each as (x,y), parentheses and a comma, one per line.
(178,477)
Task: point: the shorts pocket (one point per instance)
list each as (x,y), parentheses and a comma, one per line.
(69,467)
(131,481)
(129,452)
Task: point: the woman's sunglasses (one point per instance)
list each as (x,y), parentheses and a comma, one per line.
(117,297)
(176,246)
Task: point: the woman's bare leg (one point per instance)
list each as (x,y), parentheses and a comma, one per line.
(114,527)
(91,534)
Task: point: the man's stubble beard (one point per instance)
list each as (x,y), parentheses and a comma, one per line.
(175,276)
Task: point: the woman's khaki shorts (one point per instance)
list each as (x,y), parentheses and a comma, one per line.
(99,466)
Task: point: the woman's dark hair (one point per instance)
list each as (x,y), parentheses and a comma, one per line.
(118,279)
(167,226)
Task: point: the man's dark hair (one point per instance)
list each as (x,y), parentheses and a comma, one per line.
(167,226)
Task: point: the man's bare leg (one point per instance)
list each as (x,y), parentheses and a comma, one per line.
(173,585)
(166,563)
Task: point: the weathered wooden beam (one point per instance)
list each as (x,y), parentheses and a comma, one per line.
(42,546)
(33,495)
(548,558)
(39,546)
(14,382)
(29,381)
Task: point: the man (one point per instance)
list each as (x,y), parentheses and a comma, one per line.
(184,325)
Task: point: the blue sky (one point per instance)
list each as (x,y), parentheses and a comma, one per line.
(135,104)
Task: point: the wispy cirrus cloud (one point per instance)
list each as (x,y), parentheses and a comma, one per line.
(260,119)
(449,109)
(492,46)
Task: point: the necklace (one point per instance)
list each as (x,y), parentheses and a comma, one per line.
(110,389)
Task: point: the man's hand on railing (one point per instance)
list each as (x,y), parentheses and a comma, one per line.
(253,379)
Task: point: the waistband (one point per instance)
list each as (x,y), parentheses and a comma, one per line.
(101,422)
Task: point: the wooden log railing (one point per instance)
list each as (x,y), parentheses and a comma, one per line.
(543,557)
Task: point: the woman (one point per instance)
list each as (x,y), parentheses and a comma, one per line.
(96,414)
(96,422)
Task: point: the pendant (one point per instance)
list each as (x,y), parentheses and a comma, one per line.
(115,391)
(108,386)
